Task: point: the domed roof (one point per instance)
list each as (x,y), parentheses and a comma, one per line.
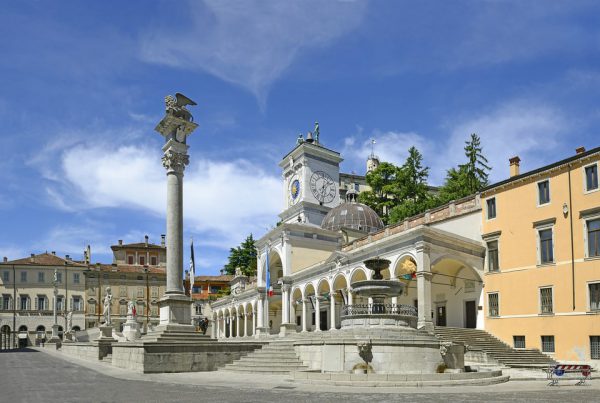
(352,214)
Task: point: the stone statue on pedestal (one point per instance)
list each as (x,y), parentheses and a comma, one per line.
(107,303)
(69,321)
(131,312)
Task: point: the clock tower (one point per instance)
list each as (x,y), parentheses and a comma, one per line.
(311,178)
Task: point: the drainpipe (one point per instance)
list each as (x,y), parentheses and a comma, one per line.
(571,233)
(14,307)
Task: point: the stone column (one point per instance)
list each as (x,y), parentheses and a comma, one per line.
(237,324)
(245,324)
(424,275)
(254,320)
(285,310)
(213,329)
(350,296)
(304,302)
(317,314)
(230,326)
(260,313)
(175,127)
(332,312)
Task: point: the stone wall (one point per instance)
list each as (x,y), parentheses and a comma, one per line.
(192,357)
(86,351)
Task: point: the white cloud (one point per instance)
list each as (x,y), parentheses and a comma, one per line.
(530,129)
(250,43)
(223,200)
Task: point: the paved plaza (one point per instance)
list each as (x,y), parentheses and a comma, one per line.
(33,375)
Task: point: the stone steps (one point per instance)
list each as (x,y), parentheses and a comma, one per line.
(274,358)
(494,347)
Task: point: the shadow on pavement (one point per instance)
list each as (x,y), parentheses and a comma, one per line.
(19,350)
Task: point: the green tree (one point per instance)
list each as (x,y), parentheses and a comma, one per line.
(469,178)
(244,257)
(382,196)
(411,189)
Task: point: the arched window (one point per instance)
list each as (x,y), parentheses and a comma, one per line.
(22,328)
(41,332)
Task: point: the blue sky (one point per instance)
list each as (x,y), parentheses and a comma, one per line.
(83,85)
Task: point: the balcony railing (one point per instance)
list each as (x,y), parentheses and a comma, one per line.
(379,309)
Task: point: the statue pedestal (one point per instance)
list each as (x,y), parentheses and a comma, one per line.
(68,337)
(287,329)
(175,309)
(131,330)
(106,333)
(55,339)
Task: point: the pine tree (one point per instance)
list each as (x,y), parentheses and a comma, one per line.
(382,196)
(469,178)
(244,257)
(412,195)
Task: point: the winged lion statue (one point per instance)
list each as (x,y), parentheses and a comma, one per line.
(176,106)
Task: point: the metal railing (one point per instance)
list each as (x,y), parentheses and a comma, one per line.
(379,309)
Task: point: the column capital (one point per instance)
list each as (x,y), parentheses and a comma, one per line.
(175,161)
(261,296)
(427,275)
(422,247)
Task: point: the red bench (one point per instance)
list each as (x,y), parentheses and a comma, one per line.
(555,372)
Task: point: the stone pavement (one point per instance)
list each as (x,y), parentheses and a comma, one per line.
(42,375)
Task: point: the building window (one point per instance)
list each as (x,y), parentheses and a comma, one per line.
(40,277)
(122,291)
(491,208)
(140,278)
(77,304)
(41,303)
(198,309)
(154,311)
(75,278)
(519,341)
(595,347)
(153,261)
(543,192)
(130,259)
(591,177)
(23,277)
(24,303)
(594,290)
(59,303)
(142,260)
(546,248)
(59,277)
(140,292)
(5,276)
(493,306)
(214,289)
(6,302)
(546,305)
(492,248)
(593,237)
(122,309)
(548,344)
(91,307)
(154,279)
(105,276)
(154,292)
(197,289)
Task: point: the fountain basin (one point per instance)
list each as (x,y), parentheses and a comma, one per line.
(378,288)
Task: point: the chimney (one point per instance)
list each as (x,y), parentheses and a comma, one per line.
(580,150)
(162,240)
(88,254)
(67,257)
(514,166)
(146,240)
(5,259)
(53,253)
(120,242)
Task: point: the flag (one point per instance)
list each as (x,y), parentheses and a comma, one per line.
(192,267)
(409,276)
(268,286)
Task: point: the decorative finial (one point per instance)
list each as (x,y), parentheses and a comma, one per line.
(316,132)
(176,106)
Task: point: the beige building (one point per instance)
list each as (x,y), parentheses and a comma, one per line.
(137,273)
(542,280)
(27,292)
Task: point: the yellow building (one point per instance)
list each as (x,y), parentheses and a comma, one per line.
(542,280)
(137,273)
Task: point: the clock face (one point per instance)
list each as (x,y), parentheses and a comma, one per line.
(294,190)
(322,187)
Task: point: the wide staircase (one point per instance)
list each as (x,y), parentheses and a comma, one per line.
(277,357)
(495,348)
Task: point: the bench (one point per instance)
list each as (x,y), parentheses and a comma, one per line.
(582,371)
